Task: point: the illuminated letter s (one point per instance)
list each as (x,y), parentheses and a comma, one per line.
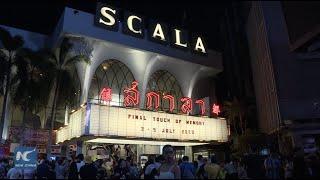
(104,12)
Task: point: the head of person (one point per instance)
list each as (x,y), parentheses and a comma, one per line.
(160,159)
(200,158)
(185,159)
(213,159)
(80,157)
(88,160)
(60,161)
(168,153)
(205,160)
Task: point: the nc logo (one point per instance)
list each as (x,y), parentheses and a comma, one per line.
(24,155)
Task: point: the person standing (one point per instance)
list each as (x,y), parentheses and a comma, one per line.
(73,171)
(14,173)
(272,166)
(299,166)
(242,172)
(231,168)
(169,169)
(80,162)
(187,169)
(88,170)
(288,168)
(212,168)
(43,169)
(60,169)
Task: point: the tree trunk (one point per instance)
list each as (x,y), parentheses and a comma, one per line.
(53,114)
(5,98)
(241,124)
(23,126)
(234,126)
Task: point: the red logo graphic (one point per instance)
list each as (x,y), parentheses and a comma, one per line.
(105,94)
(215,109)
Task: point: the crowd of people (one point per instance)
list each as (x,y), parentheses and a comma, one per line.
(163,166)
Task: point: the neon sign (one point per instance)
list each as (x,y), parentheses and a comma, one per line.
(131,95)
(215,109)
(132,98)
(201,104)
(186,107)
(156,96)
(171,101)
(105,94)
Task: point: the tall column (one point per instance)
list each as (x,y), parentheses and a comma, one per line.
(188,152)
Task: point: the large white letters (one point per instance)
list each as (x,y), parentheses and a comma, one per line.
(178,39)
(158,32)
(104,12)
(199,45)
(130,26)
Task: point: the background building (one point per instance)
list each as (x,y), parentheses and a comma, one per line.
(283,42)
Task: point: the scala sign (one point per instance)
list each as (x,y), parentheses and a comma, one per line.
(108,17)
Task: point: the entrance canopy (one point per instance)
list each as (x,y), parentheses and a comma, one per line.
(128,123)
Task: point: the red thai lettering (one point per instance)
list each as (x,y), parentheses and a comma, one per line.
(131,95)
(202,107)
(106,94)
(186,107)
(171,101)
(153,95)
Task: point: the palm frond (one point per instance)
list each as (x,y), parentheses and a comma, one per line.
(77,58)
(5,38)
(68,89)
(65,48)
(48,55)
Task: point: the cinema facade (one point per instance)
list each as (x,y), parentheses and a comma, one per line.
(142,91)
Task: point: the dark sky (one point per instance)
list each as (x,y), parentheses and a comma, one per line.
(41,16)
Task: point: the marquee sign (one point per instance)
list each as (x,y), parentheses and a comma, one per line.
(102,120)
(131,99)
(107,17)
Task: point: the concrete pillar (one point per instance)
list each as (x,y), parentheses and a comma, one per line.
(188,152)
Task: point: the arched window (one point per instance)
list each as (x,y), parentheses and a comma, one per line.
(165,83)
(112,74)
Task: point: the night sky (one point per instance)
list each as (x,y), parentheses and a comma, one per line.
(42,16)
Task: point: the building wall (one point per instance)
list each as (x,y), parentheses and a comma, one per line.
(142,65)
(262,68)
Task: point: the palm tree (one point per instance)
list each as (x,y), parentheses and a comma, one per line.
(64,90)
(11,46)
(30,85)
